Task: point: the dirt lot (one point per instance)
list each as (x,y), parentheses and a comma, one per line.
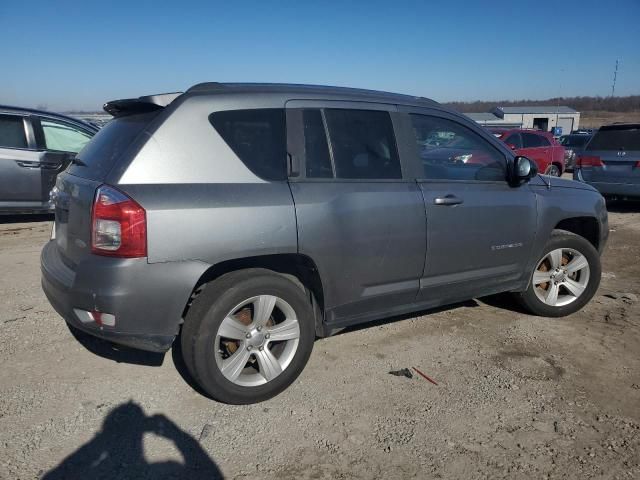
(595,119)
(516,396)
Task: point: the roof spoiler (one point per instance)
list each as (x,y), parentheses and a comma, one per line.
(147,103)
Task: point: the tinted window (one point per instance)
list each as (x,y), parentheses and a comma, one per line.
(450,151)
(63,137)
(620,138)
(12,133)
(531,140)
(363,144)
(514,139)
(575,140)
(102,152)
(316,150)
(257,137)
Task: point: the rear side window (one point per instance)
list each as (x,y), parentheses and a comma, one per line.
(99,156)
(63,137)
(316,150)
(616,139)
(12,134)
(257,137)
(363,144)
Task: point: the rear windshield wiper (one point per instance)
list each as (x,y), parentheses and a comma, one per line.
(77,161)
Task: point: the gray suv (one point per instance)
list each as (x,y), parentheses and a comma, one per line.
(245,220)
(34,147)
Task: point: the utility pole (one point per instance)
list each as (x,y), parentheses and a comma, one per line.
(615,76)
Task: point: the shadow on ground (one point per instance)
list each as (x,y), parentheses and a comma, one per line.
(117,451)
(44,217)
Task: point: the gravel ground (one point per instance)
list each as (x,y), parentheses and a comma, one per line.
(516,396)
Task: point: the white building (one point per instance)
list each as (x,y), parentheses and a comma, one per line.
(540,118)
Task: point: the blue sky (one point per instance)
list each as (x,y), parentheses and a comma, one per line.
(77,55)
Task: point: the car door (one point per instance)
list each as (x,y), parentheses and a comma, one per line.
(58,142)
(20,175)
(359,218)
(479,228)
(537,149)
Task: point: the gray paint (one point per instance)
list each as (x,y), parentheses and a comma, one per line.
(380,247)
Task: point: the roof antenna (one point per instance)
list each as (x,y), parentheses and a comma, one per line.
(546,182)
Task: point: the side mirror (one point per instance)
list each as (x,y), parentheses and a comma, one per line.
(524,170)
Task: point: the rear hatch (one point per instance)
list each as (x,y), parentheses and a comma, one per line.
(613,155)
(75,189)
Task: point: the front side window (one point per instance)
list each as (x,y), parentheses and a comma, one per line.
(12,134)
(451,151)
(363,144)
(257,137)
(63,137)
(514,140)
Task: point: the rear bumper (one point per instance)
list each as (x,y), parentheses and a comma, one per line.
(147,300)
(606,188)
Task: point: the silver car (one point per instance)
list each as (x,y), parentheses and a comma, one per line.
(245,220)
(34,147)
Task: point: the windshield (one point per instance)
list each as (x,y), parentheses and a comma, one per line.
(575,141)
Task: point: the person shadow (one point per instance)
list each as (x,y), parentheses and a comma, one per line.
(116,451)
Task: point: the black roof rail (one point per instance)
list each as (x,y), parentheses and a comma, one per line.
(207,87)
(147,103)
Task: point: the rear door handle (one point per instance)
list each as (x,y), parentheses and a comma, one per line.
(447,200)
(41,165)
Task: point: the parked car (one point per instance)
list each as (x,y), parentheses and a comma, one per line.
(573,146)
(247,219)
(34,147)
(611,161)
(537,145)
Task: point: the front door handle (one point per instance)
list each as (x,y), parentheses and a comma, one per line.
(447,200)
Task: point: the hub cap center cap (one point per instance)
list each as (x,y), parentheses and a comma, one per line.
(256,340)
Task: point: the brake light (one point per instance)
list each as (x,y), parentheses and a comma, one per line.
(118,225)
(589,161)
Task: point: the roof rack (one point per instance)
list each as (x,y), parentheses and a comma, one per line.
(147,103)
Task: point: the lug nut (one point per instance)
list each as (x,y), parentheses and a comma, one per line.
(249,347)
(248,335)
(259,329)
(267,336)
(261,348)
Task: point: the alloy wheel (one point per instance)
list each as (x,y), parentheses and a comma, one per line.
(561,277)
(257,340)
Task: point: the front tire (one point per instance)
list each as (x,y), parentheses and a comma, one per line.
(565,278)
(553,171)
(248,335)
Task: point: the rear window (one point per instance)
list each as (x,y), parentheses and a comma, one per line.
(616,138)
(575,141)
(100,155)
(257,137)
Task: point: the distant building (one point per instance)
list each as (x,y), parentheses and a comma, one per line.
(540,118)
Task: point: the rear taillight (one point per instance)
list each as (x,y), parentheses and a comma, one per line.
(589,161)
(118,225)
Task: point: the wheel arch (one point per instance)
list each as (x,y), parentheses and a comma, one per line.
(299,268)
(586,227)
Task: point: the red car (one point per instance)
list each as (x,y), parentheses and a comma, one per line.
(539,146)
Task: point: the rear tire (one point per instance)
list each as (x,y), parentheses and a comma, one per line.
(565,278)
(248,335)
